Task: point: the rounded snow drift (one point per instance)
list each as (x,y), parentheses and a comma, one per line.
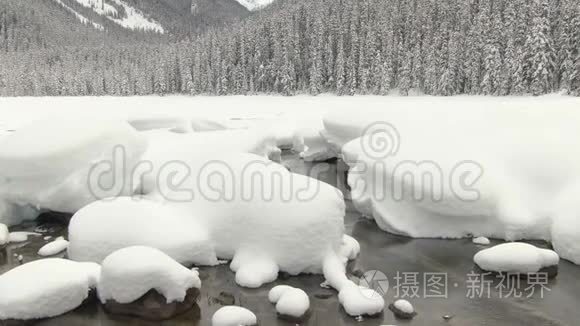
(45,288)
(402,309)
(517,258)
(234,316)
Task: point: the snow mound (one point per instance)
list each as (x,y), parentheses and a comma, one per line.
(129,273)
(20,236)
(481,241)
(4,234)
(104,227)
(516,257)
(404,306)
(233,316)
(289,301)
(45,288)
(50,249)
(43,166)
(260,215)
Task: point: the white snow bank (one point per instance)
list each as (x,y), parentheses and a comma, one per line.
(45,288)
(289,301)
(55,247)
(233,316)
(259,214)
(404,306)
(481,241)
(506,184)
(129,273)
(104,227)
(516,257)
(4,234)
(20,236)
(63,164)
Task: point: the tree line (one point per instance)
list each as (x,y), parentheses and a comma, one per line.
(346,47)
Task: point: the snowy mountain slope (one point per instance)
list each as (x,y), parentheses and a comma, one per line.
(117,11)
(253,5)
(81,18)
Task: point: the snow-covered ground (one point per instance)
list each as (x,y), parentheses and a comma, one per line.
(527,151)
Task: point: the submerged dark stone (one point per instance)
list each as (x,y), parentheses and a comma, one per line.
(154,306)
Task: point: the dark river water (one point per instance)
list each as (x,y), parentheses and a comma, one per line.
(410,265)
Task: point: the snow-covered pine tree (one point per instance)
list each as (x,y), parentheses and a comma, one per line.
(539,45)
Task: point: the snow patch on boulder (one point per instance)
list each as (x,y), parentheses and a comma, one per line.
(129,273)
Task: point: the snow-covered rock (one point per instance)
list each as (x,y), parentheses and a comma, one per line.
(20,236)
(104,227)
(290,302)
(129,273)
(402,309)
(4,234)
(45,288)
(63,164)
(481,241)
(516,257)
(55,247)
(233,316)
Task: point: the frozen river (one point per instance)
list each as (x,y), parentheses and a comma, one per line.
(409,265)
